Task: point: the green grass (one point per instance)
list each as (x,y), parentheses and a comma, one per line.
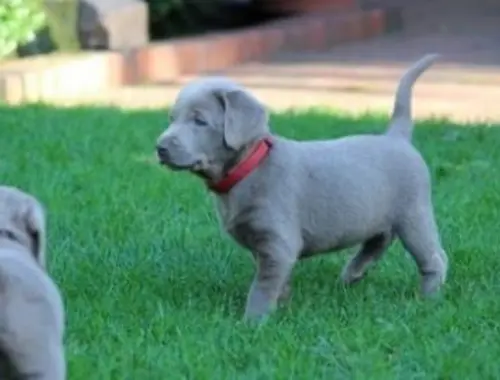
(154,290)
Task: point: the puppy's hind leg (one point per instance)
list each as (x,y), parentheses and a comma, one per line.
(419,235)
(371,251)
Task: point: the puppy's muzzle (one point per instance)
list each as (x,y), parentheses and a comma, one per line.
(165,157)
(172,154)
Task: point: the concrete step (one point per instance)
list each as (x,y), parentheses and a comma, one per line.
(437,81)
(460,106)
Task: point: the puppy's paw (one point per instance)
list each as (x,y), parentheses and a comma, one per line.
(286,294)
(433,279)
(351,277)
(255,320)
(432,283)
(259,312)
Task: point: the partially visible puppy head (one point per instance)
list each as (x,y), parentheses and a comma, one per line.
(22,219)
(212,120)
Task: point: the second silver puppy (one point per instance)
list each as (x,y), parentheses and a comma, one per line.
(285,200)
(31,305)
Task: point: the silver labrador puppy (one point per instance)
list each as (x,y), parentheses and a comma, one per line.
(285,200)
(31,308)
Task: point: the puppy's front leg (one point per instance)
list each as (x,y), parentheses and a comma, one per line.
(273,271)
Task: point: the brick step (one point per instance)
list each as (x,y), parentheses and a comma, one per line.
(311,32)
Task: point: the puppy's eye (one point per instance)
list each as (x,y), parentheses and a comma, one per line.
(199,121)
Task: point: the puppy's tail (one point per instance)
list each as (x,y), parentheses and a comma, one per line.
(401,124)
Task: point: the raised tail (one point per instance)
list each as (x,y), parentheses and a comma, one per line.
(401,123)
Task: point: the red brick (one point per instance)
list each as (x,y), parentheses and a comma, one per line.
(359,26)
(116,66)
(375,23)
(337,30)
(166,61)
(191,55)
(214,54)
(356,26)
(273,39)
(138,66)
(231,50)
(316,36)
(222,52)
(259,40)
(157,63)
(368,30)
(131,63)
(296,32)
(345,28)
(216,58)
(251,45)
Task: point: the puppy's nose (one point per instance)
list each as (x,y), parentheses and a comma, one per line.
(161,151)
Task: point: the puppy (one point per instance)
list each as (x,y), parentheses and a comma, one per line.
(31,308)
(285,200)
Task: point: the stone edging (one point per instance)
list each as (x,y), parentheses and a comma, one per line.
(59,77)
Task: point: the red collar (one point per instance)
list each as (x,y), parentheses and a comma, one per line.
(244,167)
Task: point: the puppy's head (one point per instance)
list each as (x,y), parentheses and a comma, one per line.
(211,122)
(22,220)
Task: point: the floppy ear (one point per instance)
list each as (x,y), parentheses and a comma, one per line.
(35,225)
(245,118)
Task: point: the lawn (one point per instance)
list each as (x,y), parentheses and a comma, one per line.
(154,290)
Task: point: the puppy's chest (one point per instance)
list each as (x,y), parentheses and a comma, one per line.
(246,225)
